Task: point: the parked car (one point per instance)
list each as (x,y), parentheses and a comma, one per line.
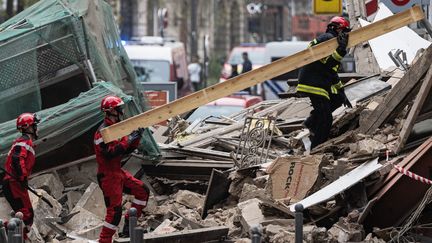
(225,106)
(156,60)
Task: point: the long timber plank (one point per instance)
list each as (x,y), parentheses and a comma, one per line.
(259,75)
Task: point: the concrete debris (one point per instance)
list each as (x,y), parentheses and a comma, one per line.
(251,191)
(73,198)
(344,184)
(50,183)
(93,201)
(189,199)
(276,233)
(42,211)
(347,229)
(164,228)
(85,223)
(251,214)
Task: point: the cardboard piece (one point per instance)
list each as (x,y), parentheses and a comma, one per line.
(287,176)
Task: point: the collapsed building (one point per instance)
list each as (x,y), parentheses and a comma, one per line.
(221,179)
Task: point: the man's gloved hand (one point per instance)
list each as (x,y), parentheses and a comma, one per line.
(137,134)
(342,40)
(346,101)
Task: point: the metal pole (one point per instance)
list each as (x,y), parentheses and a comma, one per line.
(11,231)
(256,234)
(3,236)
(139,234)
(298,223)
(132,224)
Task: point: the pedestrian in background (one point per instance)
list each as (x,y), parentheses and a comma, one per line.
(194,69)
(234,71)
(246,67)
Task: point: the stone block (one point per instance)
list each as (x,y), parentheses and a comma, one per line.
(251,214)
(50,183)
(73,198)
(93,201)
(251,191)
(83,221)
(189,199)
(5,209)
(42,211)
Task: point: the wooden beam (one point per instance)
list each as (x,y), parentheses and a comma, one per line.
(259,75)
(415,110)
(213,234)
(397,94)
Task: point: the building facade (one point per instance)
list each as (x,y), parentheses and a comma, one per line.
(218,24)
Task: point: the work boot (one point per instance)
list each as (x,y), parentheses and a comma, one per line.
(125,231)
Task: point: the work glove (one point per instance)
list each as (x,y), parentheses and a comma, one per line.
(342,40)
(345,100)
(137,134)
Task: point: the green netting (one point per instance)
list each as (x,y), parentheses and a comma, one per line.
(65,122)
(45,42)
(51,43)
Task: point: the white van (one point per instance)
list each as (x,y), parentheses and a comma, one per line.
(156,60)
(277,50)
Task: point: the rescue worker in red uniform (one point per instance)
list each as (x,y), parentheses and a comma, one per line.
(320,82)
(19,164)
(112,179)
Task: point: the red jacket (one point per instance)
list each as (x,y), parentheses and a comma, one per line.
(20,159)
(108,156)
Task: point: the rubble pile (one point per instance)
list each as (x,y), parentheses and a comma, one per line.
(222,178)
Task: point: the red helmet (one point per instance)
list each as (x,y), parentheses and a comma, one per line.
(111,103)
(340,23)
(26,120)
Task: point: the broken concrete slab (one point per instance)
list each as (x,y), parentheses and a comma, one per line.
(84,221)
(189,199)
(73,198)
(197,235)
(42,210)
(50,183)
(277,233)
(251,191)
(93,201)
(164,228)
(91,233)
(367,146)
(237,182)
(251,214)
(5,209)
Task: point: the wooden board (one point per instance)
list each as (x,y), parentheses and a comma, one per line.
(378,116)
(415,110)
(259,75)
(214,234)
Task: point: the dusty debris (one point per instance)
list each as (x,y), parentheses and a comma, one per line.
(251,191)
(277,233)
(189,199)
(50,183)
(251,214)
(93,201)
(42,211)
(347,229)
